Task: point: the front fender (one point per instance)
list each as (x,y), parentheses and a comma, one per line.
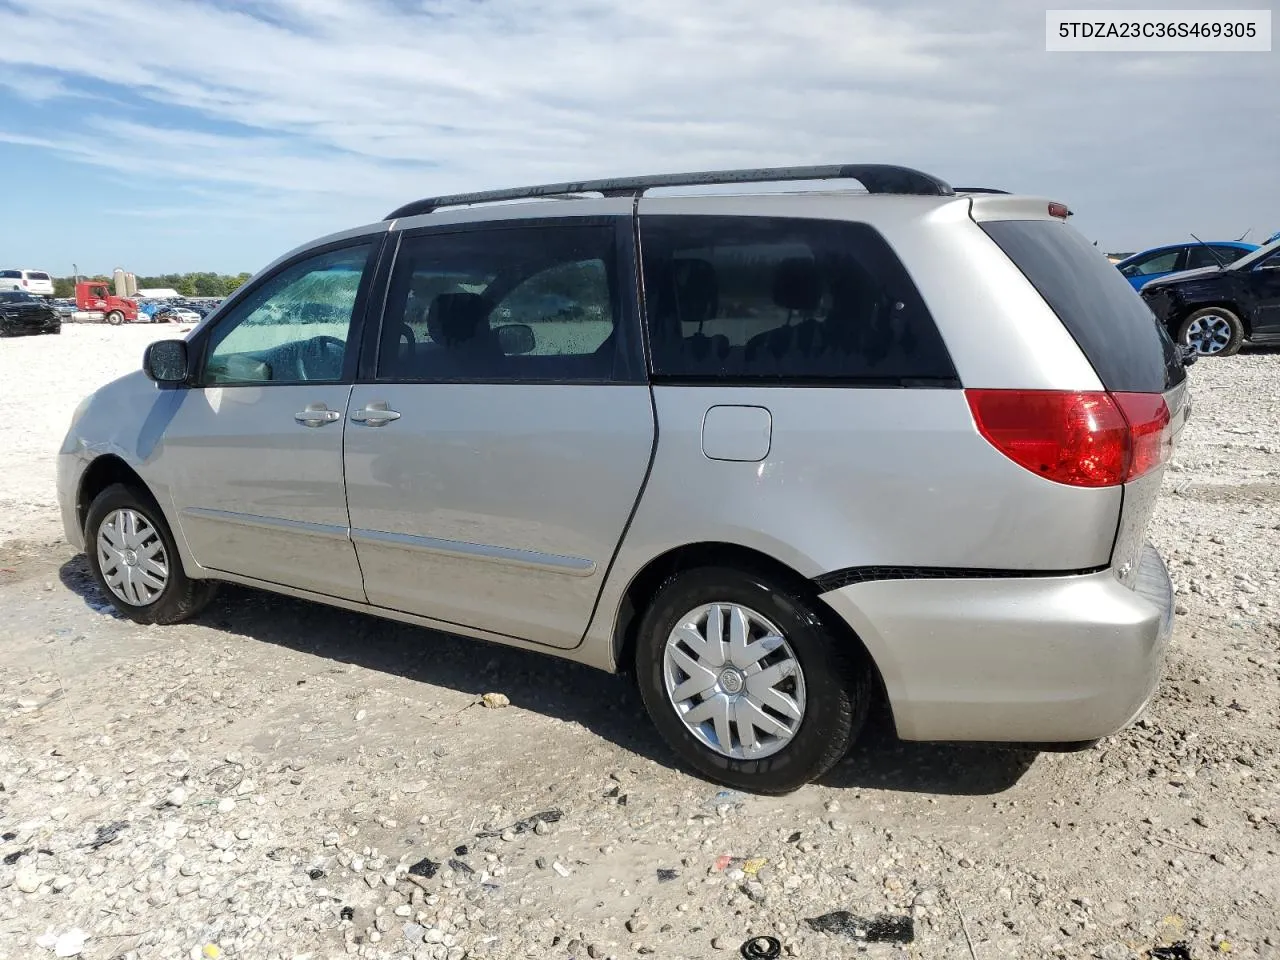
(125,420)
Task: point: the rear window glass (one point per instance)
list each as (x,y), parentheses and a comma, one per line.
(784,300)
(37,276)
(1117,332)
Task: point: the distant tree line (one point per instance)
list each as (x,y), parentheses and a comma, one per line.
(187,284)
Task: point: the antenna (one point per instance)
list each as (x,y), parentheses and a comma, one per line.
(1212,252)
(1243,235)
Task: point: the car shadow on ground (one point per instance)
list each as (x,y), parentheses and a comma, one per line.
(609,706)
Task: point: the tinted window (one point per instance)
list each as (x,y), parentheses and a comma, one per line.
(11,274)
(15,296)
(784,300)
(292,328)
(1198,256)
(33,275)
(508,303)
(1114,328)
(1270,263)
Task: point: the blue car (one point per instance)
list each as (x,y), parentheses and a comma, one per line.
(1160,261)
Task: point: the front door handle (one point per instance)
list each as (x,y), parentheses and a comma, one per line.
(376,414)
(317,415)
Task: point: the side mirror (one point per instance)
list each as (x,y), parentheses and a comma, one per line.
(515,339)
(166,361)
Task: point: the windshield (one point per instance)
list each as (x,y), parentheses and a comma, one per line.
(1249,258)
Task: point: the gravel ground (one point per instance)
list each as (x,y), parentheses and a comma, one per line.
(281,780)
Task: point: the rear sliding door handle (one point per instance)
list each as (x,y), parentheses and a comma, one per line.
(317,415)
(375,415)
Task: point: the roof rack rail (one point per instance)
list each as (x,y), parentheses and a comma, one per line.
(875,177)
(980,190)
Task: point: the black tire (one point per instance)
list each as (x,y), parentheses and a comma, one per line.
(57,329)
(115,318)
(181,598)
(837,679)
(1234,341)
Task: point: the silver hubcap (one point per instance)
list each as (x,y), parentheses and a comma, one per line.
(734,681)
(1209,334)
(132,557)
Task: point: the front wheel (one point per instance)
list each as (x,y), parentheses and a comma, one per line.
(115,318)
(135,561)
(1213,332)
(744,681)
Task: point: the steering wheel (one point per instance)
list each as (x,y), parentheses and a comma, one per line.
(320,358)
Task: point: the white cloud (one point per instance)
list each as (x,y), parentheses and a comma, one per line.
(367,103)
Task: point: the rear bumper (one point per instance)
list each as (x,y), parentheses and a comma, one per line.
(1036,659)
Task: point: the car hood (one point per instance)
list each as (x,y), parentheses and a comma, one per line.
(24,308)
(1183,275)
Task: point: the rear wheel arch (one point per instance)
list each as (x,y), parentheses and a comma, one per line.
(646,583)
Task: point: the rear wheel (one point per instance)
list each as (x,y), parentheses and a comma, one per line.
(115,318)
(745,683)
(135,561)
(1212,332)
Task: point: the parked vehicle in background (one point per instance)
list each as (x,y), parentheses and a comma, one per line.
(35,282)
(95,296)
(1161,261)
(172,313)
(22,313)
(1217,309)
(807,447)
(66,308)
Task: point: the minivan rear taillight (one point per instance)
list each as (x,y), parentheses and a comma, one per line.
(1090,439)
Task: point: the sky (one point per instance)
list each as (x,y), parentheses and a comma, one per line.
(176,135)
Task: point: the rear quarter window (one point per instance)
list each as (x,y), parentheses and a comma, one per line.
(764,300)
(11,274)
(1117,332)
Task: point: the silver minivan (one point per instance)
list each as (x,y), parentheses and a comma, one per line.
(778,453)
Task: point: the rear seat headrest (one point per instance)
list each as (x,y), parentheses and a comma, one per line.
(455,317)
(697,290)
(797,285)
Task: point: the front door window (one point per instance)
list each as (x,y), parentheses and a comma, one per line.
(294,328)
